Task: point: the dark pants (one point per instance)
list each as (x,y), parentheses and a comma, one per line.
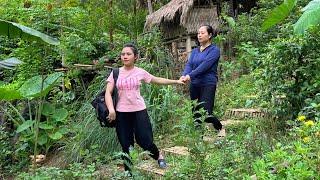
(205,96)
(135,124)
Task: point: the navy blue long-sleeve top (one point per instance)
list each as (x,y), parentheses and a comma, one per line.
(202,66)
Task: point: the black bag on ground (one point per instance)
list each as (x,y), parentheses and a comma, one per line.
(100,106)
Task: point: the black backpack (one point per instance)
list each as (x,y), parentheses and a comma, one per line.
(100,106)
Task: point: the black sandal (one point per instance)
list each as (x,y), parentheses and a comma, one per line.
(162,163)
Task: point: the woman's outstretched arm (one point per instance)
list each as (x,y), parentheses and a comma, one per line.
(164,81)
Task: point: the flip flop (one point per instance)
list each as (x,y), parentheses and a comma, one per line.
(162,163)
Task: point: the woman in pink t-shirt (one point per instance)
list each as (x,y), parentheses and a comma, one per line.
(130,112)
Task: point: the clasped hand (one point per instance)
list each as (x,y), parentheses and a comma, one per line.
(185,79)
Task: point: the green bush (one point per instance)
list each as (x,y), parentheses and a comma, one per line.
(312,108)
(6,150)
(11,161)
(298,158)
(290,70)
(76,49)
(74,171)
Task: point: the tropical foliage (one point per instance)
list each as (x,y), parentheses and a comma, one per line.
(270,60)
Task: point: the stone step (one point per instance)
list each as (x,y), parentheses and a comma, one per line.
(245,113)
(177,150)
(151,167)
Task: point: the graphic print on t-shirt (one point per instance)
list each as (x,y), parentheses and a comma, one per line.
(131,83)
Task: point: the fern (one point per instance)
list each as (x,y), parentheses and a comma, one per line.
(310,17)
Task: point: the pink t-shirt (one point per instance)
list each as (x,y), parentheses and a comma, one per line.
(128,85)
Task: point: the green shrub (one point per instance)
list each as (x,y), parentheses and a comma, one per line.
(290,70)
(74,171)
(6,150)
(76,49)
(312,108)
(298,158)
(11,160)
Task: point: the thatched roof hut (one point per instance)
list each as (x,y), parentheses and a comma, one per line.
(183,17)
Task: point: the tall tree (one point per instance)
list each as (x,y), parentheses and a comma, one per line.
(110,9)
(150,7)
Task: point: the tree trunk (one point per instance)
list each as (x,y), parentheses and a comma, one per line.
(135,36)
(150,9)
(109,9)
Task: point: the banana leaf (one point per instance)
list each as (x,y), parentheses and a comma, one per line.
(10,63)
(15,30)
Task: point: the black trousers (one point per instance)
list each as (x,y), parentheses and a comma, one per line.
(135,124)
(205,95)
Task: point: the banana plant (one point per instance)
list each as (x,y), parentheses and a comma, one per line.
(310,16)
(16,30)
(278,14)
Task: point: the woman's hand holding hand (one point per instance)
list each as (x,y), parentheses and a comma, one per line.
(182,78)
(185,78)
(180,81)
(112,116)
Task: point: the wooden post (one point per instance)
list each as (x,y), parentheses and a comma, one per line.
(174,46)
(188,46)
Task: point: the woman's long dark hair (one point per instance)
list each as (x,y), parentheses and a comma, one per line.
(133,48)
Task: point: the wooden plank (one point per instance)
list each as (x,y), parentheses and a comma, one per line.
(152,168)
(209,139)
(222,133)
(254,177)
(188,45)
(245,110)
(230,122)
(61,69)
(245,113)
(177,150)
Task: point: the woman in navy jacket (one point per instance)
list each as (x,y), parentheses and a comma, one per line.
(201,71)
